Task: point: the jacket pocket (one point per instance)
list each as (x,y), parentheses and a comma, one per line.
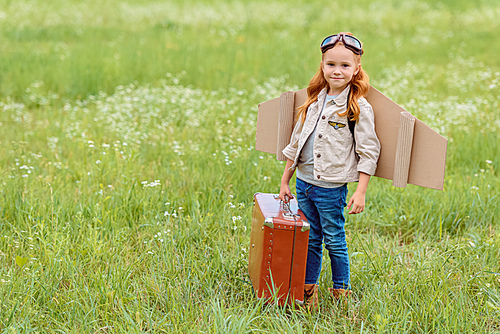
(334,156)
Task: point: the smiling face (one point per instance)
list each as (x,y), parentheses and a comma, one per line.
(339,66)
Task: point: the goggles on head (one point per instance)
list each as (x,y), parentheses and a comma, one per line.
(350,42)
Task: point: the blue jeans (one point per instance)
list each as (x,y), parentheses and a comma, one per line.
(324,210)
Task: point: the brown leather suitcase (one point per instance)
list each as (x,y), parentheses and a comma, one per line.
(278,249)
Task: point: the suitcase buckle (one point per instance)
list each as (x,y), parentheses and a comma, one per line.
(289,215)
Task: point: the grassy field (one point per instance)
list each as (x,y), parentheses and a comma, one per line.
(128,168)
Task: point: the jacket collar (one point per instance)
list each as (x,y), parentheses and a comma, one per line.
(339,100)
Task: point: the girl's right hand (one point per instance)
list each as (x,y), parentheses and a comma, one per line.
(285,193)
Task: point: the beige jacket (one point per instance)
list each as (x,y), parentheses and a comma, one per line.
(335,158)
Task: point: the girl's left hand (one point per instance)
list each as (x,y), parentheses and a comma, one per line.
(357,202)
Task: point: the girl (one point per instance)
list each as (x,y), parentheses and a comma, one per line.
(328,153)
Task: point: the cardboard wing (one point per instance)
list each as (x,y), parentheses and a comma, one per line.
(411,152)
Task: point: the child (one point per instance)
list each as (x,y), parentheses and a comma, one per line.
(327,155)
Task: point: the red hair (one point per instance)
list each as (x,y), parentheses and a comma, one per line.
(360,84)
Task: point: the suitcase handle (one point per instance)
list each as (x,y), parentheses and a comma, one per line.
(287,214)
(277,196)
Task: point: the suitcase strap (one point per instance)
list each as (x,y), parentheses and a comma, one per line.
(289,214)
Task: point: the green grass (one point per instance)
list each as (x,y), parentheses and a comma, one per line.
(127,165)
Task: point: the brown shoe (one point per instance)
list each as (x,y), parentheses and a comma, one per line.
(340,293)
(311,297)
